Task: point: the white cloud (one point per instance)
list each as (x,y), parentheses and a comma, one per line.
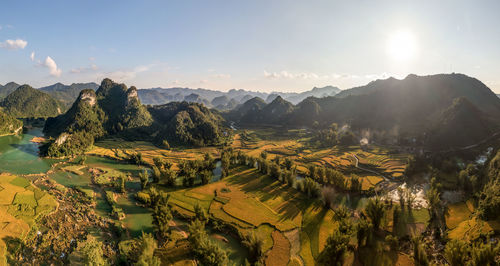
(92,67)
(222,76)
(122,75)
(32,56)
(13,44)
(53,69)
(288,75)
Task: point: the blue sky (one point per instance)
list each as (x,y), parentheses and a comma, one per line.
(256,45)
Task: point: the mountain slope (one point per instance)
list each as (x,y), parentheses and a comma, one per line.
(8,89)
(67,94)
(27,102)
(116,110)
(9,124)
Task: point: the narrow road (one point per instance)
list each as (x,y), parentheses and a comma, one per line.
(382,184)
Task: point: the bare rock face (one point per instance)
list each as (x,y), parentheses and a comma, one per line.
(62,138)
(88,96)
(132,96)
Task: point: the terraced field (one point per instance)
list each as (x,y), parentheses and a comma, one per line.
(20,204)
(293,228)
(120,150)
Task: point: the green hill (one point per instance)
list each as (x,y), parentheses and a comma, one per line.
(116,110)
(27,102)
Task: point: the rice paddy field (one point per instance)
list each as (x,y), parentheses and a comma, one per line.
(20,204)
(120,150)
(295,145)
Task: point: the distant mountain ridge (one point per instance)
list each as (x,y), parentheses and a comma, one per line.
(433,110)
(160,96)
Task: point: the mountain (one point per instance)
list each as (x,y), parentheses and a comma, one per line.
(8,89)
(161,96)
(315,92)
(67,94)
(462,120)
(417,109)
(183,123)
(27,102)
(115,110)
(256,111)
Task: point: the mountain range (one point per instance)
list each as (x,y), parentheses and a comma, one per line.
(439,111)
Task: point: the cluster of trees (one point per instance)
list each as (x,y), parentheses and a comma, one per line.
(489,197)
(338,243)
(331,136)
(205,251)
(482,252)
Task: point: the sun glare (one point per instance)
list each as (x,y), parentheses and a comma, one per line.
(402,46)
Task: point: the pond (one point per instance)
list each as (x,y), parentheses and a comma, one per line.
(18,155)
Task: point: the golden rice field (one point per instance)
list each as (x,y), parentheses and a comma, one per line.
(120,149)
(253,203)
(340,158)
(20,204)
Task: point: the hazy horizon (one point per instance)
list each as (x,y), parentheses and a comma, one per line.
(259,46)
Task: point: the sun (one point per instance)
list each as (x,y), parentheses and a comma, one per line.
(402,46)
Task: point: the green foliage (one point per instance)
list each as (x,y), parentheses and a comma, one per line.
(309,187)
(419,255)
(200,213)
(8,124)
(183,123)
(148,246)
(161,218)
(484,254)
(335,249)
(456,252)
(206,252)
(93,252)
(26,102)
(144,177)
(375,211)
(254,245)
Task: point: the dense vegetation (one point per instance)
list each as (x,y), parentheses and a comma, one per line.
(115,109)
(9,124)
(26,102)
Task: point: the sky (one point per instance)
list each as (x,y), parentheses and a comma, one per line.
(261,45)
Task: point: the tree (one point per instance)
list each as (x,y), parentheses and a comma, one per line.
(254,245)
(263,155)
(156,174)
(169,176)
(122,184)
(144,177)
(83,159)
(456,252)
(161,219)
(375,211)
(206,176)
(484,254)
(364,230)
(419,255)
(190,177)
(335,249)
(147,248)
(92,252)
(200,213)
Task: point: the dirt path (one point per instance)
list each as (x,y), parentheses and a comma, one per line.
(176,227)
